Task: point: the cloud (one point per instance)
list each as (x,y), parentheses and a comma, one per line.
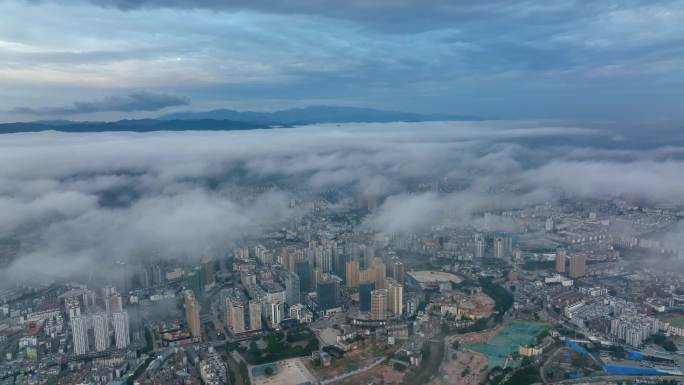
(132,102)
(583,61)
(74,203)
(183,224)
(420,212)
(646,180)
(404,15)
(382,11)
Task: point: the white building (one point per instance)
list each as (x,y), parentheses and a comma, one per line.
(121,331)
(79,331)
(101,331)
(275,314)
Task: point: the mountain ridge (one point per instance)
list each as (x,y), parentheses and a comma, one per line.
(316,114)
(131,125)
(229,120)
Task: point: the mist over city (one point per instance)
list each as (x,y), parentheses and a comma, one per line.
(407,193)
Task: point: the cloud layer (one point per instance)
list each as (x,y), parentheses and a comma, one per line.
(133,102)
(71,202)
(573,60)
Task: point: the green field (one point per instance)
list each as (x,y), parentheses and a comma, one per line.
(677,321)
(508,340)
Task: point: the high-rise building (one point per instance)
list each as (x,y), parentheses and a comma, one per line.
(365,291)
(367,275)
(88,299)
(340,263)
(145,276)
(107,291)
(274,292)
(303,271)
(317,275)
(352,274)
(115,303)
(276,310)
(101,331)
(194,281)
(122,274)
(578,266)
(263,255)
(324,259)
(499,247)
(479,251)
(397,271)
(158,275)
(412,305)
(292,290)
(327,292)
(247,278)
(192,314)
(122,334)
(79,332)
(380,274)
(561,260)
(549,225)
(242,253)
(288,257)
(254,315)
(396,297)
(235,315)
(379,304)
(368,254)
(73,307)
(208,272)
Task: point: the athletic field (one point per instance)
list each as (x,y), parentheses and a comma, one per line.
(508,340)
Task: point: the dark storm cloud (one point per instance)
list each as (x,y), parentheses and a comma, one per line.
(133,102)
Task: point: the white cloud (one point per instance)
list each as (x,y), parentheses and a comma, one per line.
(75,200)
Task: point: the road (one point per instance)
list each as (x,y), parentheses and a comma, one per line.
(354,372)
(603,379)
(233,363)
(542,368)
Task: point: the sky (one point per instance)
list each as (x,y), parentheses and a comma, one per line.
(570,60)
(73,204)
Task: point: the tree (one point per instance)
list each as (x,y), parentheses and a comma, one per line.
(503,298)
(425,350)
(231,376)
(313,343)
(670,346)
(253,347)
(244,372)
(269,371)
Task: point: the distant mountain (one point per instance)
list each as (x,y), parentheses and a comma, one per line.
(315,114)
(228,120)
(140,125)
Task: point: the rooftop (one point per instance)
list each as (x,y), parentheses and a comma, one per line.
(427,276)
